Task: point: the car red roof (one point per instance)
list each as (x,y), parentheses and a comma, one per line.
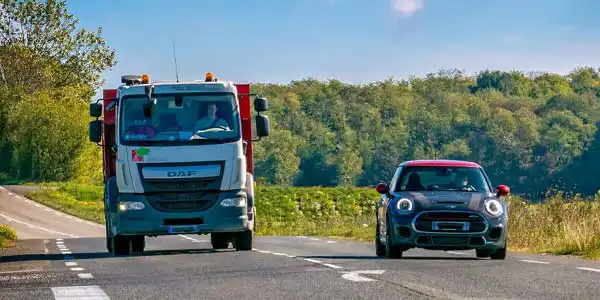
(440,163)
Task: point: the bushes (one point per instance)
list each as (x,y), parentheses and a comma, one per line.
(7,234)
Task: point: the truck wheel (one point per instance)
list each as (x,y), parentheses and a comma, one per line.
(243,241)
(219,241)
(121,245)
(138,243)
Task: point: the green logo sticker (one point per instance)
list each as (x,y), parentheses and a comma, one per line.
(138,154)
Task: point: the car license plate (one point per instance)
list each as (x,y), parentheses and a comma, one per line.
(182,229)
(450,240)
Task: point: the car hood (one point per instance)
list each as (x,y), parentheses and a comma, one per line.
(446,199)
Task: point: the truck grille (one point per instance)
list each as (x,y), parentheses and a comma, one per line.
(183,202)
(450,221)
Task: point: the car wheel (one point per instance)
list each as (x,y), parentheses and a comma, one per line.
(379,247)
(482,253)
(499,254)
(391,251)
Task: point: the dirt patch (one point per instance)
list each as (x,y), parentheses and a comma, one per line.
(14,258)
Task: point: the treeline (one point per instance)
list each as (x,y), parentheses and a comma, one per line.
(530,131)
(534,132)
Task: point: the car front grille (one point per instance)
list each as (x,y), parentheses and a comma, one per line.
(450,221)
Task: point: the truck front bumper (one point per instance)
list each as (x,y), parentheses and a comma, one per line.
(152,222)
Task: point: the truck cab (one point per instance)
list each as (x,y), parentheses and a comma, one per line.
(177,159)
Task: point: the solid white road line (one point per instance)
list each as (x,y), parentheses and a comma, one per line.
(37,227)
(79,293)
(589,269)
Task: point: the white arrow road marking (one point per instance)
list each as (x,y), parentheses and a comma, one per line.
(355,275)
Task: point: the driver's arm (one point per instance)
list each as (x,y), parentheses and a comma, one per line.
(223,123)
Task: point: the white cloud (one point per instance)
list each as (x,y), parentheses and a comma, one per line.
(407,7)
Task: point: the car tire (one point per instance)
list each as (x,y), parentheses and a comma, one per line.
(482,253)
(391,251)
(499,254)
(379,247)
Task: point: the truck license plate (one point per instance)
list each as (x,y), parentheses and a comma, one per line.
(181,229)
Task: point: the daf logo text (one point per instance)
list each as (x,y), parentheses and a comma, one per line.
(181,174)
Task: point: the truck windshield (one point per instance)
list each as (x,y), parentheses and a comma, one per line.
(442,179)
(199,118)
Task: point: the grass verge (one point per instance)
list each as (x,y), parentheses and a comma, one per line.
(557,226)
(7,236)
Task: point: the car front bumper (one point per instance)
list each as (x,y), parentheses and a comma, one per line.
(405,233)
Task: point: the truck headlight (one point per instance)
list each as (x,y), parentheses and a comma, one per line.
(126,205)
(404,206)
(234,202)
(493,207)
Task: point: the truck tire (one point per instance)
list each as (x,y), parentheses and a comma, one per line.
(138,243)
(243,240)
(219,240)
(121,245)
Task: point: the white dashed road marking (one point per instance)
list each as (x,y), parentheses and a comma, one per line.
(85,276)
(70,263)
(535,261)
(79,293)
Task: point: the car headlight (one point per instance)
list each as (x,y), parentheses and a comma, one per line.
(404,205)
(126,205)
(234,202)
(493,207)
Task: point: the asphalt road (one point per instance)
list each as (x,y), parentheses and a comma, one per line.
(185,267)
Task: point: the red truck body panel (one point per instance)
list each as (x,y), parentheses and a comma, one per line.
(243,90)
(109,158)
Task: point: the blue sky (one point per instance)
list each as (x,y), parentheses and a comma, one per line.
(350,40)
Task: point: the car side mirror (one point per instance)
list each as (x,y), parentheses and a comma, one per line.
(261,104)
(382,188)
(502,190)
(262,125)
(95,110)
(95,131)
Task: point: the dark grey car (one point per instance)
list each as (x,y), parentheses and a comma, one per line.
(441,205)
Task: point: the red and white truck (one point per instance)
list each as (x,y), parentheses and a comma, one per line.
(177,159)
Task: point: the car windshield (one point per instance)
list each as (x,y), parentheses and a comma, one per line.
(443,179)
(179,119)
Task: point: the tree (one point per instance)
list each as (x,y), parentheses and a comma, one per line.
(41,47)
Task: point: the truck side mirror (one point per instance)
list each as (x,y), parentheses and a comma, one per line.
(262,125)
(95,131)
(95,110)
(261,104)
